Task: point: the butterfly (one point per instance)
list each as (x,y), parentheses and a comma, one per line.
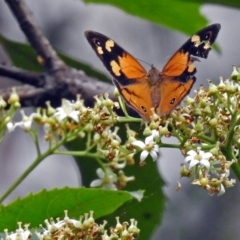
(159,90)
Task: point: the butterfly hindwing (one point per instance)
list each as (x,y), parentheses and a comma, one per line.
(172,93)
(137,96)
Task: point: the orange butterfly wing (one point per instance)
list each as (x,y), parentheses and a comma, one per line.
(160,90)
(198,45)
(172,92)
(178,73)
(129,76)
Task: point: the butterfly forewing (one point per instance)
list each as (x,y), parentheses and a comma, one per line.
(121,64)
(198,45)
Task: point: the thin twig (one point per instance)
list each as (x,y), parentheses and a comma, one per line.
(59,81)
(40,44)
(27,77)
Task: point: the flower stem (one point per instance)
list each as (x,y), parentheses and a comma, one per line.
(227,147)
(168,145)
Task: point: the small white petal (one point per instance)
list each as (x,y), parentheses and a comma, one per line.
(100,173)
(74,116)
(201,152)
(191,153)
(154,155)
(137,194)
(10,127)
(189,158)
(110,186)
(155,134)
(156,148)
(139,144)
(193,163)
(143,155)
(96,183)
(149,139)
(206,155)
(205,163)
(26,235)
(222,190)
(226,174)
(26,125)
(120,165)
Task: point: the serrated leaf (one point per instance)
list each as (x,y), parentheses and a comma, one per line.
(149,211)
(230,3)
(179,15)
(35,208)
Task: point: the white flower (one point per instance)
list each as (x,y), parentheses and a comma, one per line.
(155,134)
(66,110)
(225,174)
(118,164)
(20,233)
(221,190)
(137,194)
(198,157)
(106,179)
(149,147)
(235,73)
(25,124)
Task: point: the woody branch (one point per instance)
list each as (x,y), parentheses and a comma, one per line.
(58,81)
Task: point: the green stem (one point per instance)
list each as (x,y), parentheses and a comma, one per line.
(34,137)
(30,169)
(206,138)
(227,147)
(231,132)
(168,145)
(124,120)
(236,168)
(78,153)
(123,106)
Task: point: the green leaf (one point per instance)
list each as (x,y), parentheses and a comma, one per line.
(35,208)
(179,15)
(230,3)
(149,211)
(23,56)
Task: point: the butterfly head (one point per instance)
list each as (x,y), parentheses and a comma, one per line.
(154,76)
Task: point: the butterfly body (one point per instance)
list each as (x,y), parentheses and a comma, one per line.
(158,90)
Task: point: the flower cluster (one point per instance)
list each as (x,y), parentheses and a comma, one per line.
(84,228)
(92,126)
(207,128)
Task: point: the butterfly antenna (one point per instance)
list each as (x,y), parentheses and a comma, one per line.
(140,60)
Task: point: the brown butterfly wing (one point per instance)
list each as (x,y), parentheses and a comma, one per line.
(128,74)
(178,73)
